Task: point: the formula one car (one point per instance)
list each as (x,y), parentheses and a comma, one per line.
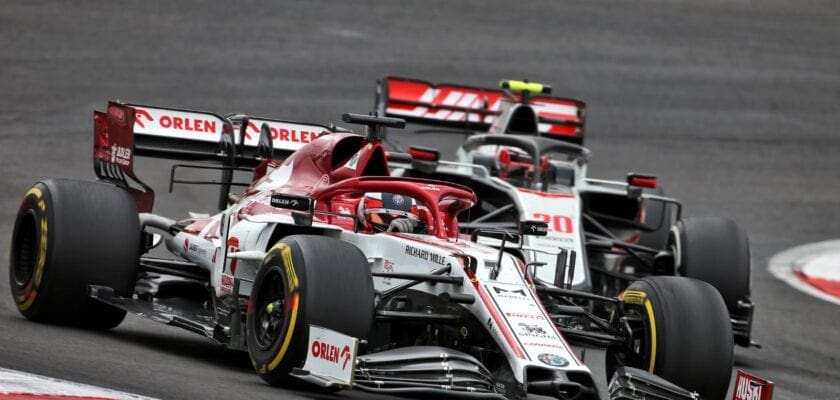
(526,162)
(330,272)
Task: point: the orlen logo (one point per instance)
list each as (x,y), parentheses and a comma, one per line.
(283,134)
(139,112)
(187,124)
(331,353)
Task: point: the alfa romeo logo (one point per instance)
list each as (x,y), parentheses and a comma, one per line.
(553,360)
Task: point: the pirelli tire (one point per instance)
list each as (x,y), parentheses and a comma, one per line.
(685,335)
(714,250)
(305,280)
(70,234)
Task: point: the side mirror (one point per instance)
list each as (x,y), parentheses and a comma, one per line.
(533,228)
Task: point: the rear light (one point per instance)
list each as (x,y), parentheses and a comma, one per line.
(645,181)
(424,153)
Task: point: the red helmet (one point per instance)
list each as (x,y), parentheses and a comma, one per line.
(377,211)
(517,167)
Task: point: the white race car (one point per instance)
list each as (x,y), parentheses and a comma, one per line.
(525,160)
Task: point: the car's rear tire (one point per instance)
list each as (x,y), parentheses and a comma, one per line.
(717,251)
(70,234)
(310,280)
(686,336)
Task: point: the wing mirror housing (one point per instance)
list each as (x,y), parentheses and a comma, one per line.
(533,228)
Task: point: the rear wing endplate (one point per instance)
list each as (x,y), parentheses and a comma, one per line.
(474,108)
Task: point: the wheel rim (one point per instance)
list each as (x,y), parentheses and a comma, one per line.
(270,314)
(637,354)
(25,250)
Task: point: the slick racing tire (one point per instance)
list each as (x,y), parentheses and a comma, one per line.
(305,280)
(656,214)
(685,334)
(68,235)
(714,250)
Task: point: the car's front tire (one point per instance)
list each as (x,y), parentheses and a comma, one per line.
(305,280)
(685,335)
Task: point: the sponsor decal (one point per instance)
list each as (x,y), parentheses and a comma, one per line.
(290,202)
(531,330)
(534,228)
(460,97)
(748,387)
(187,124)
(387,266)
(524,315)
(120,155)
(553,360)
(282,132)
(509,294)
(430,187)
(227,284)
(194,248)
(425,255)
(398,199)
(141,114)
(330,352)
(179,124)
(557,239)
(634,297)
(544,344)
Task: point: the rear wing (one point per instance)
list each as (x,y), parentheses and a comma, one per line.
(237,142)
(474,108)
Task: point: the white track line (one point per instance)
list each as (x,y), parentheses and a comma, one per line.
(17,382)
(783,264)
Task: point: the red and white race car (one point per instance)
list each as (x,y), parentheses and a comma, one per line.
(328,270)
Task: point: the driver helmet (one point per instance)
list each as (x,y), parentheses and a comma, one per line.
(378,211)
(517,168)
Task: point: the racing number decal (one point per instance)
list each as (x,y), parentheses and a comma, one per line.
(557,223)
(24,301)
(291,307)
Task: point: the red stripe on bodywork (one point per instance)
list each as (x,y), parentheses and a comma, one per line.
(522,266)
(546,194)
(488,303)
(500,322)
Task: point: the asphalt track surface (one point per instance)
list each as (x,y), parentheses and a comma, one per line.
(735,105)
